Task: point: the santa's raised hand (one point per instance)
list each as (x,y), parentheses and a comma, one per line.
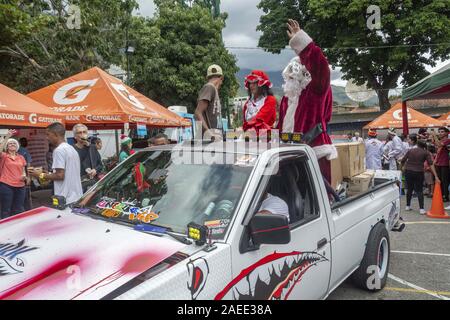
(293,27)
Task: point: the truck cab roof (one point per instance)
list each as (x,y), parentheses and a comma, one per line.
(232,147)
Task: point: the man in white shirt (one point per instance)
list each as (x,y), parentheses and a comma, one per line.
(396,150)
(374,151)
(357,138)
(274,205)
(66,166)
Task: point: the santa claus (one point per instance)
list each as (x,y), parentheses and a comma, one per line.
(307,105)
(260,108)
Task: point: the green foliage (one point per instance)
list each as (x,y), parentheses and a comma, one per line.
(174,50)
(42,49)
(335,24)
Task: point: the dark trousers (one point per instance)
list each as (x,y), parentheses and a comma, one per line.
(12,200)
(442,173)
(414,182)
(27,202)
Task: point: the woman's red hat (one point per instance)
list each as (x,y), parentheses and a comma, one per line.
(258,76)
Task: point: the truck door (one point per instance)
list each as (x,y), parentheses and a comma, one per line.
(298,270)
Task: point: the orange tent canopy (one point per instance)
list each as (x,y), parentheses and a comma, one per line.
(393,119)
(94,97)
(445,118)
(17,110)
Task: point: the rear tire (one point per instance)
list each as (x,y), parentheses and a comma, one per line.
(373,272)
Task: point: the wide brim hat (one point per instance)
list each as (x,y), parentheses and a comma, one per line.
(259,77)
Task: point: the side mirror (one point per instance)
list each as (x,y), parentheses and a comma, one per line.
(270,229)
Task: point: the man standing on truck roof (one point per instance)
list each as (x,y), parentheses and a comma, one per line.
(209,109)
(308,102)
(66,166)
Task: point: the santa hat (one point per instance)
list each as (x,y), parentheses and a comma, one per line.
(258,76)
(124,139)
(372,133)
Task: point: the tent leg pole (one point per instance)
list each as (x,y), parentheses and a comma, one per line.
(405,118)
(116,134)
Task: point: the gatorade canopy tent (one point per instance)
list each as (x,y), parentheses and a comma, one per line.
(101,101)
(17,110)
(435,86)
(394,119)
(445,119)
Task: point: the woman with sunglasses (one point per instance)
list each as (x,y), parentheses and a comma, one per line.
(260,109)
(12,177)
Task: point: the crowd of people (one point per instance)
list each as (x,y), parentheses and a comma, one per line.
(423,158)
(71,169)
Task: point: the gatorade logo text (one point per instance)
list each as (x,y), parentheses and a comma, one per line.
(398,115)
(74,92)
(33,118)
(120,88)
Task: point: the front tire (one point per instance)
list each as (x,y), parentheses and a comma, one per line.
(373,272)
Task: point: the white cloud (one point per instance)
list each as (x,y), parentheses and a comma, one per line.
(243,18)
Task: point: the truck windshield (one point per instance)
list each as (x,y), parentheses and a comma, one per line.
(153,188)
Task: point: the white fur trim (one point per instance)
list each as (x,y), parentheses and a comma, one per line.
(289,118)
(326,150)
(300,41)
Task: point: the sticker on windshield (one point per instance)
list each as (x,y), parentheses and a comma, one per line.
(246,160)
(217,223)
(217,227)
(126,210)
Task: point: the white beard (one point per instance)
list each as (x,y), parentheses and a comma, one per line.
(292,88)
(296,79)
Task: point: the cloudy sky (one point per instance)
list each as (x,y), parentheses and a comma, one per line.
(243,18)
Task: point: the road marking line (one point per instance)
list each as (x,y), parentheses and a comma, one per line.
(425,222)
(409,284)
(424,253)
(443,293)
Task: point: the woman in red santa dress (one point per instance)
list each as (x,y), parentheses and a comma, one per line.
(260,109)
(307,105)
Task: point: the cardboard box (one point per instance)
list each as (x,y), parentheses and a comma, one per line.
(336,173)
(360,183)
(352,156)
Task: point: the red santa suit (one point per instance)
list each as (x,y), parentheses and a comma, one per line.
(259,113)
(308,99)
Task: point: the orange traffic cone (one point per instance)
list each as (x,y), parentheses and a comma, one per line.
(437,205)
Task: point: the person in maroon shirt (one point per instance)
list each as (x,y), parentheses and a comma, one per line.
(413,163)
(442,160)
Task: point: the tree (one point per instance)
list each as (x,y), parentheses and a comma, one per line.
(174,50)
(413,34)
(43,49)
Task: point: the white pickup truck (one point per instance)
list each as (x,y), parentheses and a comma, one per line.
(185,223)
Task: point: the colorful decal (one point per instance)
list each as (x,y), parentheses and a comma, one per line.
(198,270)
(126,210)
(217,227)
(271,278)
(10,262)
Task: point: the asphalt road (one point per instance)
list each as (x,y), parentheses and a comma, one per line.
(420,262)
(420,259)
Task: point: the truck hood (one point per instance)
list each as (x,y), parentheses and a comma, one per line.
(50,254)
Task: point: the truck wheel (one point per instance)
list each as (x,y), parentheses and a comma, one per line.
(373,271)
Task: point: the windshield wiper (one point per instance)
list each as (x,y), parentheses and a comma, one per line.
(157,230)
